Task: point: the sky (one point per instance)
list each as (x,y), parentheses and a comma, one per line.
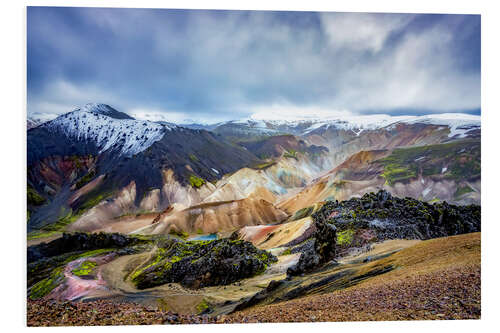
(207,66)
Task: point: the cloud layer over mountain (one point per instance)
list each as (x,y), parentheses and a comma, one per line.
(176,65)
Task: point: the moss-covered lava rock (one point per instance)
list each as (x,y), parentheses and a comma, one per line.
(381,216)
(197,264)
(80,242)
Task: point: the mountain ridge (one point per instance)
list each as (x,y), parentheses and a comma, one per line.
(92,154)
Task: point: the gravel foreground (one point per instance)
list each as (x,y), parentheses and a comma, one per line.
(438,279)
(450,294)
(105,313)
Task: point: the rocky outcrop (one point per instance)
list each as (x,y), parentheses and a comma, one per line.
(199,264)
(317,251)
(386,217)
(357,222)
(79,242)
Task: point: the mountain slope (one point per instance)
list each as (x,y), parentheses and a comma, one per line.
(97,163)
(123,151)
(449,171)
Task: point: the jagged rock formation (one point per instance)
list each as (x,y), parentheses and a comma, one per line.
(201,264)
(319,250)
(79,242)
(377,217)
(380,216)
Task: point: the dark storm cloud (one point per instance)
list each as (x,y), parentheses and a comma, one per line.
(212,65)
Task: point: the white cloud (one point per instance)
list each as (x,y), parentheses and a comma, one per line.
(361,31)
(62,96)
(176,117)
(158,115)
(294,112)
(205,66)
(419,73)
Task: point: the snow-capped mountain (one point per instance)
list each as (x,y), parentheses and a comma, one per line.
(459,124)
(108,129)
(95,148)
(105,110)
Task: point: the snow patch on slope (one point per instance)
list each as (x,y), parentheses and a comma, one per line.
(97,108)
(128,136)
(458,123)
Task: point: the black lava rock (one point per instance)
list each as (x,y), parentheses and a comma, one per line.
(392,217)
(199,264)
(79,242)
(317,251)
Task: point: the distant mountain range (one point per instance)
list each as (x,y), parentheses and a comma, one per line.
(88,167)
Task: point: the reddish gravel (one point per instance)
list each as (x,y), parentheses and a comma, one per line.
(50,313)
(448,294)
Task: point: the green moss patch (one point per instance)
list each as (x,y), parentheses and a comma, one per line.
(262,166)
(33,197)
(41,234)
(85,179)
(202,307)
(461,158)
(344,238)
(181,234)
(92,199)
(69,217)
(302,213)
(395,173)
(60,225)
(461,190)
(45,286)
(85,268)
(291,153)
(195,181)
(76,161)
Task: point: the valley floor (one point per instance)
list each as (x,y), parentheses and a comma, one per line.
(435,279)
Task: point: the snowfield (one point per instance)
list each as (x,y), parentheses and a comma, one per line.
(91,123)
